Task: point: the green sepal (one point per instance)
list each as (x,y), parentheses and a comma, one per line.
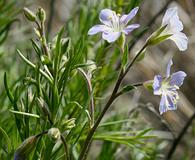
(148,85)
(125,58)
(159,39)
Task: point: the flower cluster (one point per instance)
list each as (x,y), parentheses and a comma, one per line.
(113,26)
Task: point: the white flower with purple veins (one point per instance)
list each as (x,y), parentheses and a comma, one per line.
(113,25)
(174,27)
(167,87)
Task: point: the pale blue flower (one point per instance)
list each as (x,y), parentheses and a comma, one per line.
(113,25)
(167,87)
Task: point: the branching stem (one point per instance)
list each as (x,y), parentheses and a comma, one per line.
(121,76)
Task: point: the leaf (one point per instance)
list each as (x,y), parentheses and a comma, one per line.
(25,114)
(8,141)
(36,48)
(127,88)
(141,56)
(143,132)
(9,94)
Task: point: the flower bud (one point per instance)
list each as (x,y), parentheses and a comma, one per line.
(25,148)
(43,106)
(54,134)
(29,14)
(69,124)
(41,14)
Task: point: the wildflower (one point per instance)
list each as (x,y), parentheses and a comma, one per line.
(173,28)
(167,87)
(114,25)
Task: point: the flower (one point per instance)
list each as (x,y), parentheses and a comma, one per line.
(167,87)
(114,25)
(173,28)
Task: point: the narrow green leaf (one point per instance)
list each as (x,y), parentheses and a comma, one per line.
(8,141)
(25,114)
(9,94)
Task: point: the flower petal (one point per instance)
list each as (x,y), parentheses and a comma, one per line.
(172,101)
(127,17)
(167,103)
(157,84)
(130,28)
(111,36)
(163,107)
(106,16)
(180,40)
(177,78)
(169,68)
(96,29)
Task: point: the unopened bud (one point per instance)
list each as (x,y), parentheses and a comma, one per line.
(29,14)
(25,148)
(43,106)
(54,134)
(41,14)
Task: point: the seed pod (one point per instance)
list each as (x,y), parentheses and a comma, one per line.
(23,151)
(29,14)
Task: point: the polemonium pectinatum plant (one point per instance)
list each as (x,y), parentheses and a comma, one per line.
(59,111)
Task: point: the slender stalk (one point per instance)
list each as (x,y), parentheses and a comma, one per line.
(180,136)
(65,147)
(89,87)
(41,134)
(41,29)
(121,76)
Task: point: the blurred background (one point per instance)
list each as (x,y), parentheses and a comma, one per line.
(78,16)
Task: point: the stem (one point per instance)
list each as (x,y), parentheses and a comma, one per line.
(41,29)
(65,147)
(178,139)
(89,87)
(41,134)
(121,76)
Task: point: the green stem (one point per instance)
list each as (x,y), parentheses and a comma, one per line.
(85,148)
(65,147)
